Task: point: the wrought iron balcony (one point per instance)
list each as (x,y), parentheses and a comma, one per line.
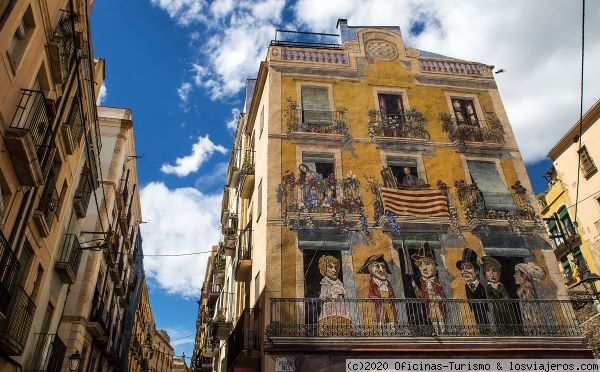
(356,318)
(315,122)
(98,322)
(244,341)
(45,214)
(489,131)
(49,353)
(310,196)
(29,138)
(410,124)
(14,329)
(247,175)
(72,129)
(83,193)
(70,257)
(474,205)
(9,269)
(243,262)
(65,40)
(122,192)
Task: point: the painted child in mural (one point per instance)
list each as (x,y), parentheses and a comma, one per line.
(429,288)
(525,275)
(380,288)
(504,314)
(334,319)
(469,269)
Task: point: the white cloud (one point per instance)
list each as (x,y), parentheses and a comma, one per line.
(541,56)
(202,150)
(180,336)
(184,12)
(102,95)
(233,121)
(180,221)
(184,92)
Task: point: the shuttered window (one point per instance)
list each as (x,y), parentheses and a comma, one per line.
(494,191)
(464,111)
(315,105)
(587,163)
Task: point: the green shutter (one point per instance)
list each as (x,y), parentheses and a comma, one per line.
(562,212)
(315,105)
(495,193)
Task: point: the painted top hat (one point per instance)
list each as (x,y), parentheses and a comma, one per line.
(424,254)
(468,256)
(490,261)
(371,260)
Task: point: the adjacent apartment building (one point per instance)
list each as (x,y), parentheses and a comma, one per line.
(48,170)
(377,205)
(572,177)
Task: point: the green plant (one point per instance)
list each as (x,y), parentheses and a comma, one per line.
(248,164)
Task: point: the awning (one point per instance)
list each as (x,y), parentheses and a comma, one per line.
(504,245)
(324,239)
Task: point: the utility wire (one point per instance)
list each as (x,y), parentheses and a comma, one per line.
(580,107)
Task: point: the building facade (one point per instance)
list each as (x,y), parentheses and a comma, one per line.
(574,174)
(48,171)
(376,205)
(93,320)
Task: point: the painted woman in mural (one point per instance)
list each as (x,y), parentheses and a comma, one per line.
(525,276)
(429,288)
(380,288)
(504,314)
(334,319)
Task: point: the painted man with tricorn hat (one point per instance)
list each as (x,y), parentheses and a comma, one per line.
(380,287)
(429,287)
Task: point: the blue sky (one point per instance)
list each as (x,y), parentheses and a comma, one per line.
(180,66)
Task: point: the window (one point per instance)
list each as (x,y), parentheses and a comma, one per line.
(555,234)
(256,287)
(20,40)
(262,120)
(401,172)
(587,163)
(315,106)
(259,201)
(390,104)
(319,165)
(464,111)
(565,220)
(493,190)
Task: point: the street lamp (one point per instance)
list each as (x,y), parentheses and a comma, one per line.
(589,279)
(74,361)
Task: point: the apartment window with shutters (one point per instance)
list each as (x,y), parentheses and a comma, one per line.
(464,111)
(495,194)
(259,201)
(587,163)
(321,165)
(565,220)
(262,120)
(401,172)
(315,105)
(21,38)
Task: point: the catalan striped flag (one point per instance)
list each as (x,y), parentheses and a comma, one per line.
(416,202)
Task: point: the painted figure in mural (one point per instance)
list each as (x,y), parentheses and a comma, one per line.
(504,314)
(429,288)
(525,275)
(380,288)
(469,269)
(409,180)
(334,313)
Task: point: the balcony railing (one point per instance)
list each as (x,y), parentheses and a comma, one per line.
(47,209)
(245,336)
(9,269)
(410,124)
(489,131)
(84,192)
(474,205)
(70,257)
(317,121)
(100,315)
(14,329)
(63,45)
(72,129)
(29,137)
(49,353)
(313,317)
(453,67)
